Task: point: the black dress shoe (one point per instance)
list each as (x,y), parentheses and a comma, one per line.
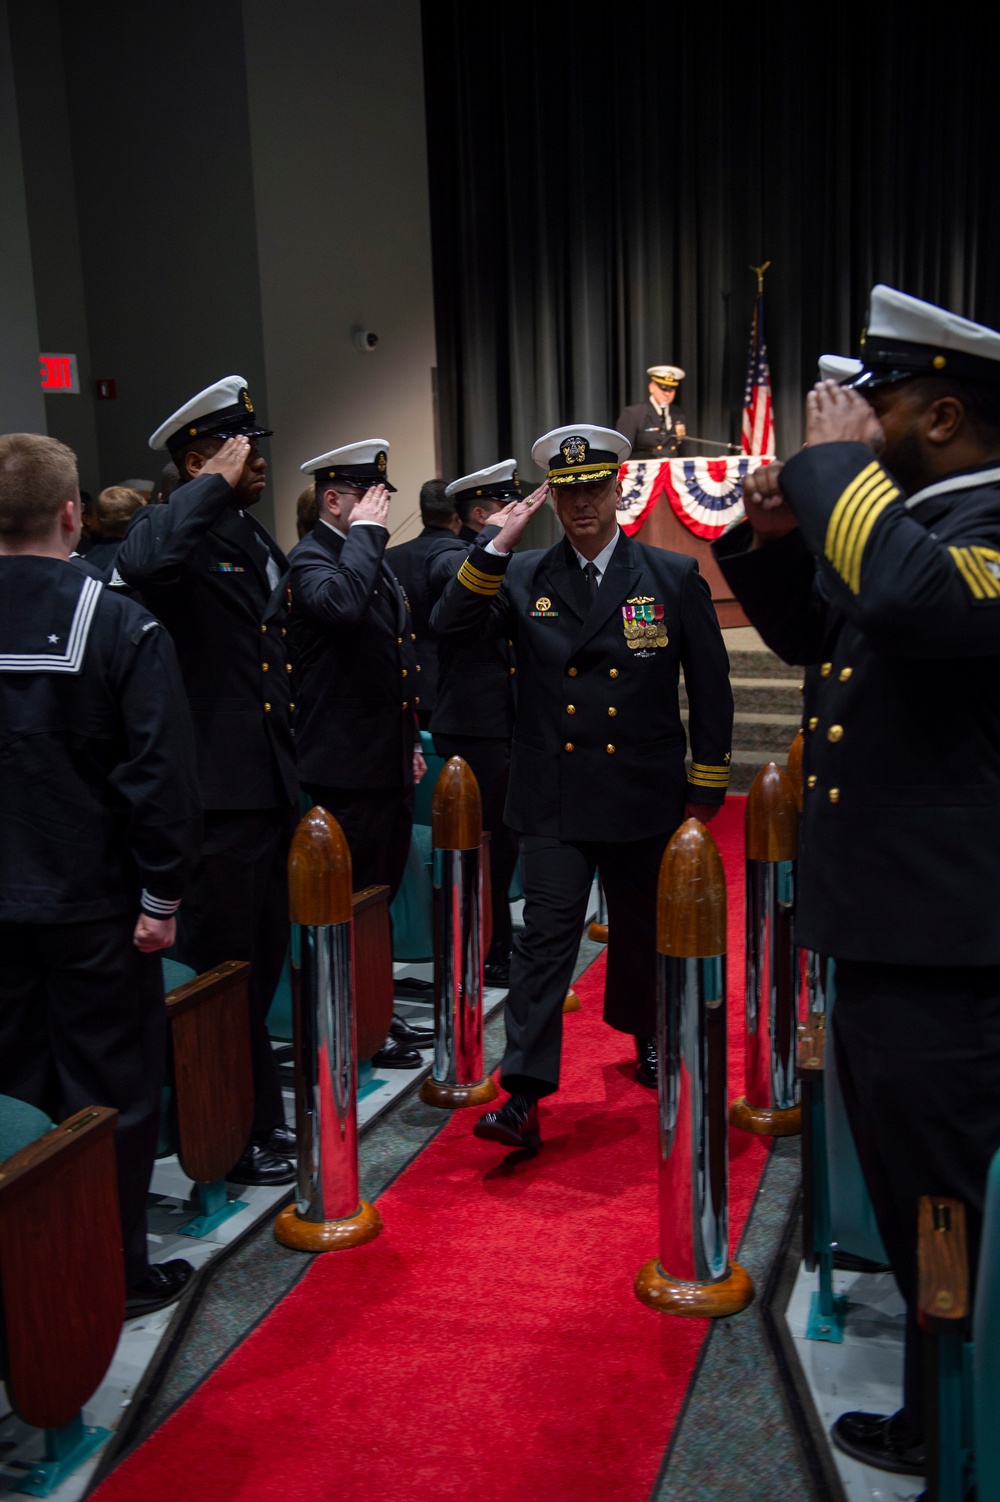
(408,1036)
(161,1286)
(646,1067)
(281,1141)
(880,1441)
(496,972)
(259,1165)
(514,1124)
(393,1055)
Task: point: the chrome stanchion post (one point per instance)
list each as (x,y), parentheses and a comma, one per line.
(693,1274)
(329,1212)
(457,1078)
(770,1106)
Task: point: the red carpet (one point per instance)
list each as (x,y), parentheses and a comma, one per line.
(489,1342)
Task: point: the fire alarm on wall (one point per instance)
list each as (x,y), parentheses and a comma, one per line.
(105,390)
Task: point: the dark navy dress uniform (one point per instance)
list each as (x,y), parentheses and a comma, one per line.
(474,718)
(597,777)
(408,561)
(218,581)
(100,820)
(652,431)
(894,605)
(359,690)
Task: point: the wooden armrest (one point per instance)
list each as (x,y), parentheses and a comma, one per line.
(368,897)
(194,992)
(209,1022)
(942,1262)
(812,1046)
(62,1276)
(373,988)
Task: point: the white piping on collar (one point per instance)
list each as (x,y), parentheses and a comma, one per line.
(71,660)
(957,482)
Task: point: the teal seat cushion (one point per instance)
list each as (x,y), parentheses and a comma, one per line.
(175,974)
(423,795)
(20,1124)
(852,1218)
(279,1013)
(412,910)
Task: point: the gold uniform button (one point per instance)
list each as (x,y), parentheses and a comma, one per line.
(404,672)
(835,733)
(511,672)
(610,750)
(571,672)
(509,642)
(291,706)
(418,667)
(802,688)
(613,673)
(288,667)
(845,673)
(826,670)
(813,722)
(834,795)
(569,746)
(811,780)
(417,699)
(263,630)
(283,631)
(413,636)
(265,667)
(399,641)
(571,709)
(612,711)
(267,709)
(405,705)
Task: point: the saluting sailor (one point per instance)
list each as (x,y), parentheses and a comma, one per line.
(218,581)
(656,428)
(601,627)
(873,557)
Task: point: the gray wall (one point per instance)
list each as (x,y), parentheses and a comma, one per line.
(22,406)
(343,230)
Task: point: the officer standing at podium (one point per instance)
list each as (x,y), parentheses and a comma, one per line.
(601,626)
(656,427)
(873,557)
(218,581)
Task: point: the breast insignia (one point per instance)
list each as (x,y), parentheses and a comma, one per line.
(643,623)
(543,608)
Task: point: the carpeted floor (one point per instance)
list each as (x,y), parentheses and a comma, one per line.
(490,1337)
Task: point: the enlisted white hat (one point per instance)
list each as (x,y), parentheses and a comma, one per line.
(839,368)
(580,454)
(497,483)
(907,337)
(667,376)
(359,464)
(220,411)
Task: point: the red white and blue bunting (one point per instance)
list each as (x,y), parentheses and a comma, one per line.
(705,494)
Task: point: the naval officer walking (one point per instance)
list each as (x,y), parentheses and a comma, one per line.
(601,626)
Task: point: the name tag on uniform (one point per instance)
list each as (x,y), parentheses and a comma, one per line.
(226,568)
(643,623)
(543,609)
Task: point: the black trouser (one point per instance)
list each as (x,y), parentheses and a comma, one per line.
(82,1023)
(557,877)
(377,824)
(236,908)
(490,763)
(918,1057)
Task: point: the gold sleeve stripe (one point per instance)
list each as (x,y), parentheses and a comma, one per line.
(696,773)
(703,782)
(857,538)
(971,566)
(707,766)
(852,520)
(480,584)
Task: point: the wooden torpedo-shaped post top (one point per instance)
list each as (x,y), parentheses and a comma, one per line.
(457,809)
(691,896)
(319,871)
(795,751)
(772,817)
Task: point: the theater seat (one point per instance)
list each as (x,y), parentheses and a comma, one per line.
(60,1315)
(852,1219)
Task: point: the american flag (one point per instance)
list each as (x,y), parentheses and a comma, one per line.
(758,411)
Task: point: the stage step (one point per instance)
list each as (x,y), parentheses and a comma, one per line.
(767,695)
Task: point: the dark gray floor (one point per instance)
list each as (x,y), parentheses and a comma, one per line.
(734,1438)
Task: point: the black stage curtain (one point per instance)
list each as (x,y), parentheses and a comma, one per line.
(602,175)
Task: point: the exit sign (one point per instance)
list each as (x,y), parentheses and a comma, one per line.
(59,375)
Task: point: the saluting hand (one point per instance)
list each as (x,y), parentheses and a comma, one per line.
(373,506)
(230,460)
(836,414)
(520,514)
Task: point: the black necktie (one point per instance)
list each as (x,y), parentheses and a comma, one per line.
(593,583)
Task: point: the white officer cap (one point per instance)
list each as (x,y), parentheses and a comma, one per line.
(839,368)
(580,454)
(666,376)
(360,465)
(498,483)
(220,411)
(907,337)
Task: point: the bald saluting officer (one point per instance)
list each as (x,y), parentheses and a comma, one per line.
(218,581)
(601,627)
